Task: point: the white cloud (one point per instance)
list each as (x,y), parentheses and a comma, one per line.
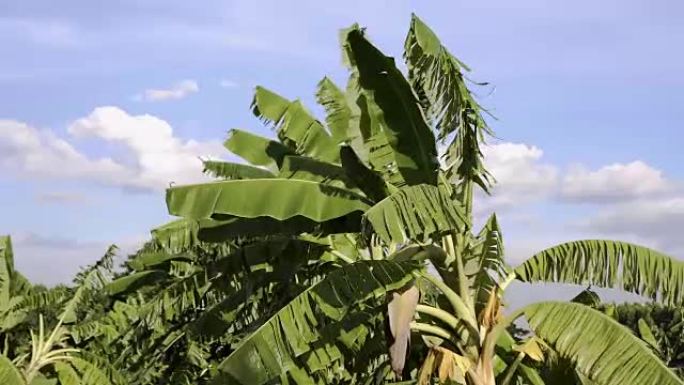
(638,203)
(521,175)
(614,182)
(226,83)
(177,91)
(28,150)
(158,157)
(652,222)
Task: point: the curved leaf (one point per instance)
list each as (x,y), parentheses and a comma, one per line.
(134,281)
(587,297)
(176,236)
(601,349)
(613,264)
(146,259)
(184,234)
(256,149)
(414,213)
(392,102)
(229,170)
(258,267)
(9,374)
(276,198)
(310,335)
(646,334)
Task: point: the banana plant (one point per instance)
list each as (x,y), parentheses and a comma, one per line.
(52,359)
(371,175)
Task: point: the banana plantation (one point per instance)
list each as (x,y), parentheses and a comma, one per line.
(343,250)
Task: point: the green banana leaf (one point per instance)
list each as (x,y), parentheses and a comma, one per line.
(314,333)
(601,349)
(295,126)
(276,198)
(437,76)
(229,170)
(414,213)
(255,149)
(394,106)
(9,374)
(338,111)
(612,264)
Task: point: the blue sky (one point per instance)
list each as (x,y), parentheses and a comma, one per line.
(102,104)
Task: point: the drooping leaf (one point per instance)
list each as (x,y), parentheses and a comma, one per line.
(276,198)
(229,170)
(450,367)
(612,264)
(311,335)
(601,349)
(148,259)
(176,236)
(265,263)
(531,348)
(295,126)
(394,105)
(438,76)
(436,72)
(414,213)
(257,150)
(587,297)
(184,234)
(646,334)
(132,282)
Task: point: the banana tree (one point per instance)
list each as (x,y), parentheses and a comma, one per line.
(52,359)
(373,175)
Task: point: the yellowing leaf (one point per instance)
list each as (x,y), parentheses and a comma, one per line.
(531,348)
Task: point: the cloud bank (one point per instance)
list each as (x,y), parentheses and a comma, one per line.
(155,156)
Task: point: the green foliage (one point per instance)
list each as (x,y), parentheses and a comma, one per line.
(248,199)
(328,323)
(601,355)
(665,324)
(293,268)
(393,106)
(603,263)
(414,213)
